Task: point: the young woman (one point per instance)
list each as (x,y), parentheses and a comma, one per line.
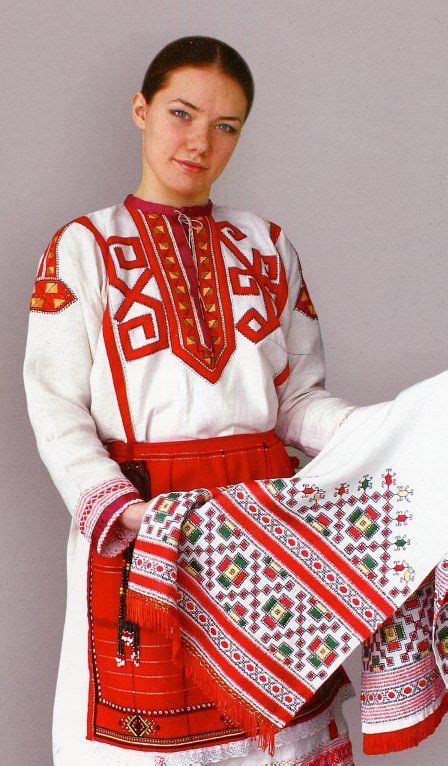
(172,344)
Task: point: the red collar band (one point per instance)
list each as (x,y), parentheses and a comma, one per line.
(157,207)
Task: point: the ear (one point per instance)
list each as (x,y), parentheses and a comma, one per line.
(139,107)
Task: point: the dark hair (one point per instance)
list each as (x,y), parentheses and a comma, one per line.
(197,50)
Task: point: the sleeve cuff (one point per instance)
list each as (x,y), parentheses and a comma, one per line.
(98,512)
(110,536)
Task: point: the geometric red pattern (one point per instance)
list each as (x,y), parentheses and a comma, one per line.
(201,329)
(304,302)
(50,294)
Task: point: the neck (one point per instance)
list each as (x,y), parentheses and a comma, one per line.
(152,191)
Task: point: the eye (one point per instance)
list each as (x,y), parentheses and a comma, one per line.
(228,128)
(179,112)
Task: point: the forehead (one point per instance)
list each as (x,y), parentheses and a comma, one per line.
(206,87)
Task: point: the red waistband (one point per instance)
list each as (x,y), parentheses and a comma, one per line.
(122,451)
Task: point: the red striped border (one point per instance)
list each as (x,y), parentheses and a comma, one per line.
(361,629)
(155,586)
(157,549)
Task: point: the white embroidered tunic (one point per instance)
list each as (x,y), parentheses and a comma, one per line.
(214,334)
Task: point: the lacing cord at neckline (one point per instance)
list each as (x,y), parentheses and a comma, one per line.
(183,218)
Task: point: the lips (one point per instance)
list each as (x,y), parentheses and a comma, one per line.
(190,166)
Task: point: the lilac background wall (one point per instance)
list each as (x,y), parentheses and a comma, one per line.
(345,148)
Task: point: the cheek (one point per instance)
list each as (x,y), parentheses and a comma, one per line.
(162,140)
(223,151)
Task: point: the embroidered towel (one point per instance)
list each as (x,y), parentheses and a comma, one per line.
(267,586)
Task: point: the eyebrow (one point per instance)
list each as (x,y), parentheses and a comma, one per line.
(196,108)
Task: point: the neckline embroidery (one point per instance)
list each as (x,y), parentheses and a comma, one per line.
(206,345)
(148,206)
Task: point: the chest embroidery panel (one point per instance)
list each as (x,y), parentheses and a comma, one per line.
(195,317)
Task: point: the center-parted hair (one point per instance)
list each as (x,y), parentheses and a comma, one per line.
(199,51)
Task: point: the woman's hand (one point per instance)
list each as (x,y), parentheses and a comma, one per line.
(132,516)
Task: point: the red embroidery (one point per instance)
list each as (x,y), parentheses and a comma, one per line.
(264,276)
(205,346)
(283,375)
(194,319)
(129,253)
(135,257)
(50,294)
(304,302)
(115,361)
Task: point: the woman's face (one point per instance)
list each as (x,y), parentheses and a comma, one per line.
(196,117)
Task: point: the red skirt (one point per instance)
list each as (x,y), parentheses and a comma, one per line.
(137,698)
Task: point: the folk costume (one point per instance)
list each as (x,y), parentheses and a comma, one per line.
(168,349)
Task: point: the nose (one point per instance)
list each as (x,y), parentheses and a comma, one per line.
(198,141)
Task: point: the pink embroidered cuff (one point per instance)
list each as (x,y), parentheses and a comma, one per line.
(112,537)
(98,511)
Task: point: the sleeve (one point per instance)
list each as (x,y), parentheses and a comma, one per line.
(64,323)
(308,414)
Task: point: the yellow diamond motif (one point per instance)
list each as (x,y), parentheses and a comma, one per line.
(317,526)
(232,571)
(390,633)
(165,506)
(277,611)
(322,651)
(187,527)
(363,523)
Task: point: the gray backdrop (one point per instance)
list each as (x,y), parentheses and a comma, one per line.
(345,148)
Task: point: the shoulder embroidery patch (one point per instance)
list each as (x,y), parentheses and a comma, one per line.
(50,294)
(304,302)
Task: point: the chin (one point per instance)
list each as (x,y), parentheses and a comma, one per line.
(188,186)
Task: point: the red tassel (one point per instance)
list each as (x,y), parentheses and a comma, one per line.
(411,736)
(228,702)
(151,613)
